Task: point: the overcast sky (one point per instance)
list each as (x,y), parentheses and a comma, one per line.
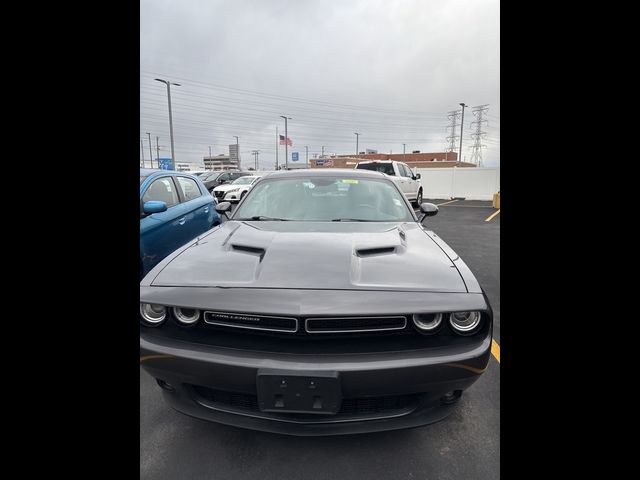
(388,69)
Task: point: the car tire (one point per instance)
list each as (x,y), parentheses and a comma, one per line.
(419,198)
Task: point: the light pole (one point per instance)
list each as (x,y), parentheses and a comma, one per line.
(322,152)
(357,139)
(150,151)
(158,151)
(142,149)
(173,153)
(306,148)
(404,153)
(237,149)
(286,142)
(461,126)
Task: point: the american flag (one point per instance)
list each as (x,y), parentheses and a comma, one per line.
(287,141)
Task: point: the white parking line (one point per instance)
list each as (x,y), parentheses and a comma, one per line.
(445,203)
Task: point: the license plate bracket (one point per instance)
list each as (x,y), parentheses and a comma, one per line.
(298,392)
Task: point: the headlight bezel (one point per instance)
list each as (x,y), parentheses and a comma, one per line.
(466,330)
(179,316)
(430,328)
(148,320)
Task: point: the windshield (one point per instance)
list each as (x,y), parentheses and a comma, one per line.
(325,199)
(377,167)
(244,181)
(209,175)
(142,179)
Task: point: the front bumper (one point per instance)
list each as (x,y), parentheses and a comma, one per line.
(423,376)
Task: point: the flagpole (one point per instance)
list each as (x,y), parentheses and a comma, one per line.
(277,146)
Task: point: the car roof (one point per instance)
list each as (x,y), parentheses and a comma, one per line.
(379,161)
(148,172)
(327,172)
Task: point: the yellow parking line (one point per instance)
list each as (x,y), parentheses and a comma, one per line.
(150,357)
(495,349)
(492,215)
(450,201)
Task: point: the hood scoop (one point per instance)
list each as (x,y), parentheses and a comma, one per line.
(250,250)
(369,252)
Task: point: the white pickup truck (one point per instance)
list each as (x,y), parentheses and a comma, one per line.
(408,182)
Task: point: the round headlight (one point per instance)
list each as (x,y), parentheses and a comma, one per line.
(464,322)
(152,313)
(427,322)
(188,316)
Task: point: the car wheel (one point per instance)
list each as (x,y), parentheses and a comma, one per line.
(419,198)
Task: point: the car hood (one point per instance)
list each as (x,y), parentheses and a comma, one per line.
(225,187)
(314,255)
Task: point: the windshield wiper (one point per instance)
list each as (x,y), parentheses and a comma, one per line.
(262,217)
(351,220)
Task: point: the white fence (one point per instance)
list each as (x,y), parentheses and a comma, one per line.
(468,182)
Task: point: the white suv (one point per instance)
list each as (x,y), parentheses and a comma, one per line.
(408,182)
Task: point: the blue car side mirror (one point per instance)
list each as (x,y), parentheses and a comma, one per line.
(154,207)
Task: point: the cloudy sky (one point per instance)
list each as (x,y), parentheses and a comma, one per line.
(388,69)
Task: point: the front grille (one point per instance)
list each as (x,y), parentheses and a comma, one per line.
(354,324)
(352,408)
(252,322)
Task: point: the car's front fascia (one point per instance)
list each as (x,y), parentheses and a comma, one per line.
(210,372)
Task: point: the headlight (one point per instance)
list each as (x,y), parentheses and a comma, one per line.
(152,313)
(233,190)
(464,322)
(427,322)
(188,316)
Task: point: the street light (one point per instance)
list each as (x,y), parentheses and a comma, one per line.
(404,153)
(150,151)
(286,142)
(306,148)
(173,154)
(461,126)
(357,138)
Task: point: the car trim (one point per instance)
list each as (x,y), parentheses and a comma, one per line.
(248,327)
(306,324)
(204,403)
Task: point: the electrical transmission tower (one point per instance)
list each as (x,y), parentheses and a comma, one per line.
(478,135)
(453,125)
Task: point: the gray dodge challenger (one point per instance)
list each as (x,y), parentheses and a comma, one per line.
(321,306)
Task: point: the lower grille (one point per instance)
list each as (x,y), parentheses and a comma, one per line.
(351,409)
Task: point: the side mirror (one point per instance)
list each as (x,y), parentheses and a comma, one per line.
(223,207)
(429,210)
(154,206)
(418,176)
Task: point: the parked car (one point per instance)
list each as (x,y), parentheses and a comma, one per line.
(322,306)
(235,191)
(218,178)
(175,207)
(400,173)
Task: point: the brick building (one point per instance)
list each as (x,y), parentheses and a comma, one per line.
(414,160)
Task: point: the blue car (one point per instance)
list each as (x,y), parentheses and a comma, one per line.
(175,208)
